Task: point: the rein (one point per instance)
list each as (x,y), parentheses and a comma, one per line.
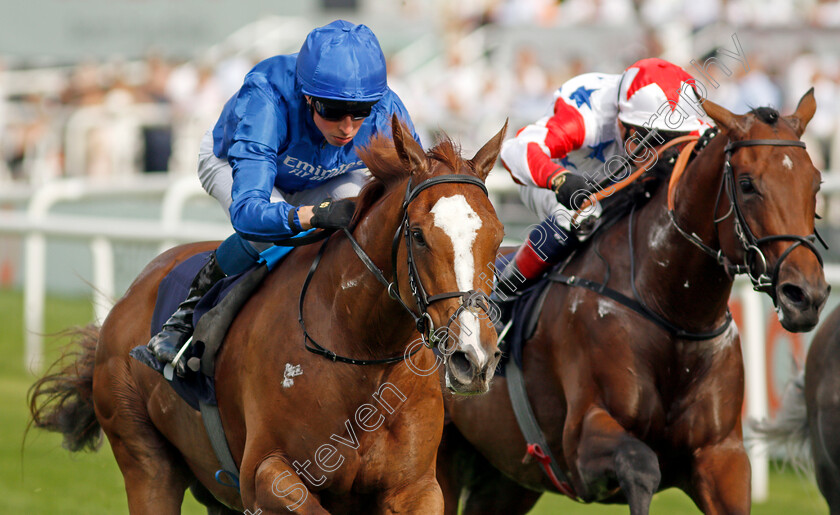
(603,193)
(755,263)
(469,300)
(636,303)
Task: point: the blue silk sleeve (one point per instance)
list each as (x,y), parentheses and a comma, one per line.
(261,129)
(252,213)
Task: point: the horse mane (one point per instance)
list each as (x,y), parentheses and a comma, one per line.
(387,170)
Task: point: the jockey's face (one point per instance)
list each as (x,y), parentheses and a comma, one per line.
(632,136)
(340,132)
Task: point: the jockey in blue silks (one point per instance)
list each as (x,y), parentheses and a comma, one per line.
(284,143)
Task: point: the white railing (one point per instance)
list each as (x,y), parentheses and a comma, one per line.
(36,224)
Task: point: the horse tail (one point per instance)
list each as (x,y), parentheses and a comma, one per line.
(790,429)
(62,400)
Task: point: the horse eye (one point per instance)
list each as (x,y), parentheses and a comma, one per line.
(417,234)
(747,186)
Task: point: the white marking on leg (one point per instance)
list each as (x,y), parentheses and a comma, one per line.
(787,163)
(456,218)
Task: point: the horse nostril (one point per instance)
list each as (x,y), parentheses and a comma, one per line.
(497,355)
(794,294)
(460,363)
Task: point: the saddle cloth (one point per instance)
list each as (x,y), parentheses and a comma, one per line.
(173,289)
(524,310)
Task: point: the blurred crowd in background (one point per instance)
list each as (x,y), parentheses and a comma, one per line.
(112,117)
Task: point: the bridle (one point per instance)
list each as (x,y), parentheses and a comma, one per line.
(755,263)
(470,300)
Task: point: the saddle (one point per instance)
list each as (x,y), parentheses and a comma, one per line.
(212,316)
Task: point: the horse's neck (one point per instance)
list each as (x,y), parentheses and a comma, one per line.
(367,319)
(674,276)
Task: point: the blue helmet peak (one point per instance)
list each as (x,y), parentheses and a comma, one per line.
(342,61)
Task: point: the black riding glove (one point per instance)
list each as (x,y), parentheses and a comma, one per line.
(566,185)
(333,214)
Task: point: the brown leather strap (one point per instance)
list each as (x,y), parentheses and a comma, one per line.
(604,193)
(679,168)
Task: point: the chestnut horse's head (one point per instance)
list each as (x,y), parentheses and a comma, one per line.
(448,235)
(771,185)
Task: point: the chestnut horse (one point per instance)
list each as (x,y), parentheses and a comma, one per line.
(332,435)
(628,407)
(809,417)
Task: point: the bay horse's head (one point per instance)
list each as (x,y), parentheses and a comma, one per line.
(447,235)
(772,185)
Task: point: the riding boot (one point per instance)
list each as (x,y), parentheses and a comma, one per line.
(175,332)
(547,245)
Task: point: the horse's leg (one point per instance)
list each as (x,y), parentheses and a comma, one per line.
(447,478)
(462,469)
(825,449)
(270,486)
(720,481)
(828,481)
(155,475)
(155,479)
(421,497)
(495,493)
(822,379)
(606,450)
(204,497)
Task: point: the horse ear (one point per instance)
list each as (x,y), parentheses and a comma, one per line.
(485,158)
(723,118)
(804,112)
(410,152)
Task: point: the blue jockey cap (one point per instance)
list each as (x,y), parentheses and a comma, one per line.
(342,61)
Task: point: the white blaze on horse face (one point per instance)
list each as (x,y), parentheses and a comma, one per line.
(457,219)
(787,163)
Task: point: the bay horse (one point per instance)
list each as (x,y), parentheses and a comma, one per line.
(809,416)
(371,431)
(628,407)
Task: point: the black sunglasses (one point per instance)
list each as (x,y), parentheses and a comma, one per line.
(336,110)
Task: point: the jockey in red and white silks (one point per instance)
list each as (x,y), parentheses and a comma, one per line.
(580,133)
(595,117)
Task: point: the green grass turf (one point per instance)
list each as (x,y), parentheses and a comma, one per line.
(46,479)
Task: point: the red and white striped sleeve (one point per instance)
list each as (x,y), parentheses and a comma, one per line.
(573,123)
(529,155)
